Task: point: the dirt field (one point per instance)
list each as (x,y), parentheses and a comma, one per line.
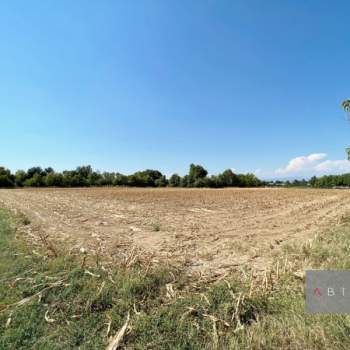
(206,229)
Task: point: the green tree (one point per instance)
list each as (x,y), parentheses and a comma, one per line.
(175,180)
(53,180)
(215,182)
(146,178)
(196,172)
(248,180)
(184,181)
(313,181)
(35,170)
(49,170)
(229,178)
(35,181)
(84,171)
(120,180)
(20,177)
(202,182)
(161,182)
(6,178)
(94,179)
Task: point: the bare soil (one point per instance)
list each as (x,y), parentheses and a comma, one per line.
(208,230)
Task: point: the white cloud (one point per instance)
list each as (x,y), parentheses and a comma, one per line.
(314,164)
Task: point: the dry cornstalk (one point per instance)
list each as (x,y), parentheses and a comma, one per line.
(118,338)
(8,322)
(87,272)
(109,323)
(135,310)
(170,293)
(101,288)
(47,318)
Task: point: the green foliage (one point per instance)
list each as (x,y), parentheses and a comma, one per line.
(20,177)
(35,181)
(94,179)
(161,182)
(54,179)
(229,178)
(35,170)
(84,171)
(215,181)
(84,176)
(196,173)
(329,181)
(6,178)
(175,180)
(120,180)
(201,182)
(184,181)
(146,178)
(248,180)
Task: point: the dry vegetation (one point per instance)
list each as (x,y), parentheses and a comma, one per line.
(104,292)
(204,229)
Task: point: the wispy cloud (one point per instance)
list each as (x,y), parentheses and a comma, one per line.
(313,164)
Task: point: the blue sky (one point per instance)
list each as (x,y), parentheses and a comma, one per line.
(129,85)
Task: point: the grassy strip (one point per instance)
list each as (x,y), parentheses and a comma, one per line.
(65,305)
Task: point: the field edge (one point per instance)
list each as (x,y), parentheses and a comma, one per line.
(62,301)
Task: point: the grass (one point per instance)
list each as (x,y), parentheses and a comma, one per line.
(72,304)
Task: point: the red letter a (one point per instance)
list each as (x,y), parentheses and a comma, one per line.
(317,292)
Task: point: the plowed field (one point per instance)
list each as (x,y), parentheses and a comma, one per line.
(206,229)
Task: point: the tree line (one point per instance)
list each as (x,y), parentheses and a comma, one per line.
(325,181)
(85,176)
(329,181)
